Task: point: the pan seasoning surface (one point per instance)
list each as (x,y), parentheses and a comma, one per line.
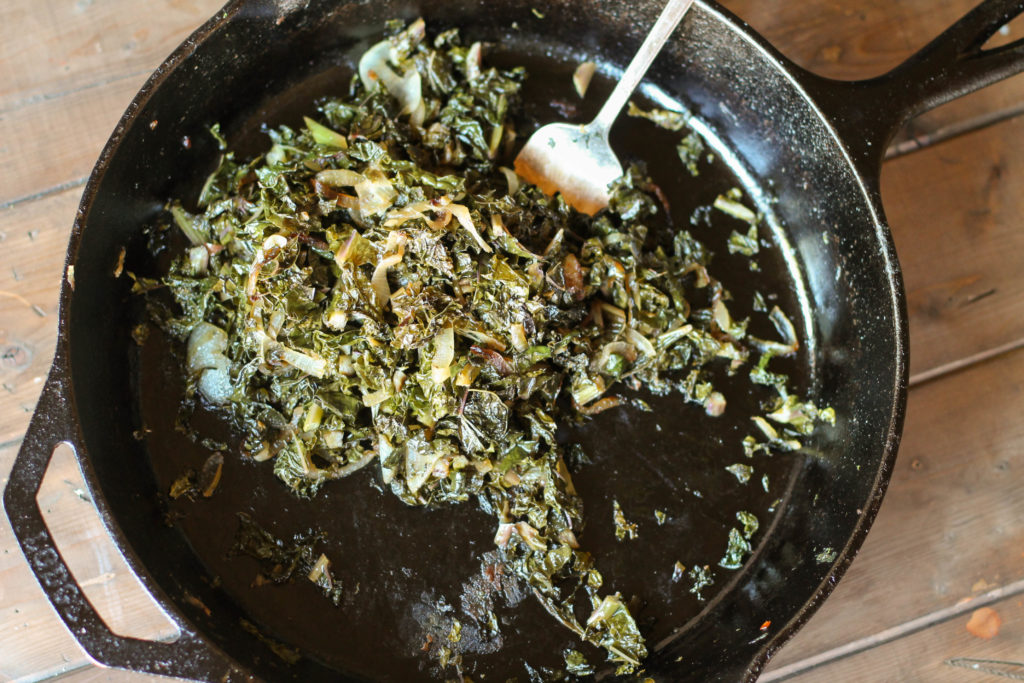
(805,151)
(387,303)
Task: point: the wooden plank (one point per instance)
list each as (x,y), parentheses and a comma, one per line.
(845,42)
(33,642)
(33,240)
(58,141)
(955,199)
(925,196)
(925,656)
(863,39)
(52,49)
(940,498)
(955,212)
(952,523)
(95,674)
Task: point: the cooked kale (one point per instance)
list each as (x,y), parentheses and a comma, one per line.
(378,289)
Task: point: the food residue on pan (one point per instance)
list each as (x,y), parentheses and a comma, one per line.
(379,294)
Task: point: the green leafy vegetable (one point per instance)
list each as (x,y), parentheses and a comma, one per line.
(378,291)
(281,562)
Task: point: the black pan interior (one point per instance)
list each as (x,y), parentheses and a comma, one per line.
(828,268)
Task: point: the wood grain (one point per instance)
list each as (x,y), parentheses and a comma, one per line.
(951,527)
(858,40)
(924,657)
(33,240)
(44,647)
(955,210)
(64,150)
(952,523)
(54,49)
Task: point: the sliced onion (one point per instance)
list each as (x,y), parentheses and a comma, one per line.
(373,65)
(277,319)
(273,243)
(263,454)
(461,214)
(473,59)
(482,337)
(444,354)
(407,89)
(206,345)
(384,451)
(215,382)
(379,281)
(420,459)
(517,334)
(765,428)
(784,328)
(503,535)
(336,320)
(581,77)
(466,375)
(721,316)
(376,193)
(376,397)
(667,339)
(601,405)
(511,178)
(641,342)
(572,276)
(530,536)
(624,349)
(339,177)
(355,466)
(306,363)
(714,404)
(319,568)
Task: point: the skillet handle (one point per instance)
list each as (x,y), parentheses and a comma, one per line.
(55,422)
(868,113)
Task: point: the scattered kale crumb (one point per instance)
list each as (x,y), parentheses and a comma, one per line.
(690,149)
(576,663)
(737,549)
(623,529)
(749,522)
(702,577)
(741,472)
(826,556)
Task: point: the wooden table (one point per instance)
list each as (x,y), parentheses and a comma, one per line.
(950,536)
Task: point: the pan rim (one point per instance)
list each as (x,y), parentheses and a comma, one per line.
(871,199)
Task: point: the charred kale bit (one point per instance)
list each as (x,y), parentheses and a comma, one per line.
(281,562)
(380,290)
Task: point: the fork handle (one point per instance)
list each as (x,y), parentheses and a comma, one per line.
(656,38)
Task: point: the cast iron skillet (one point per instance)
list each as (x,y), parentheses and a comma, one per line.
(806,148)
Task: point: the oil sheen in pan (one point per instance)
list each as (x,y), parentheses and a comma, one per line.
(400,564)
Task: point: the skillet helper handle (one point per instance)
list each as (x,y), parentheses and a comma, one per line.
(869,113)
(54,422)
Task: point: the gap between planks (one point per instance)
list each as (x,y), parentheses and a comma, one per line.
(954,130)
(43,194)
(891,634)
(46,97)
(897,149)
(964,363)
